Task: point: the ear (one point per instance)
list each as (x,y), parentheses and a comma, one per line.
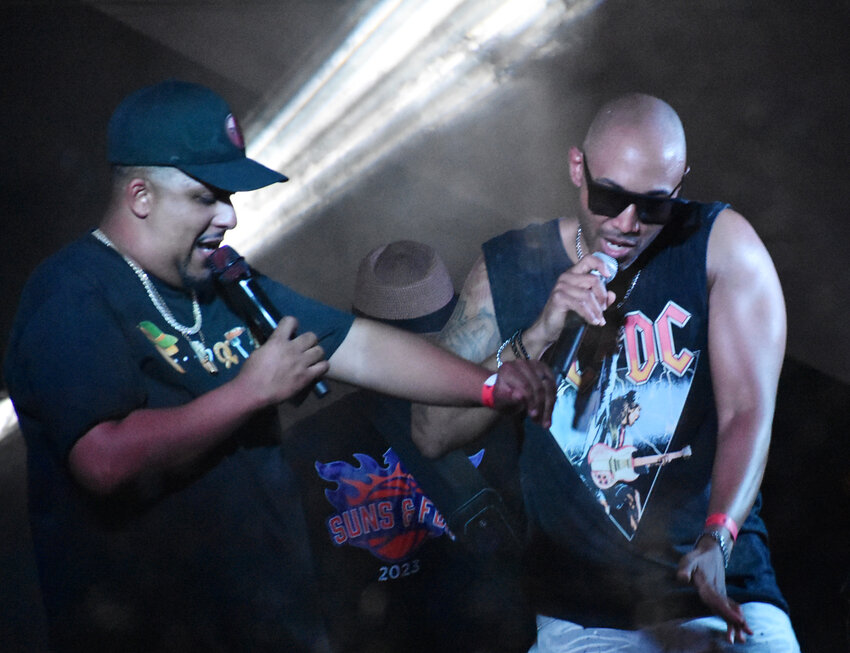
(137,195)
(576,166)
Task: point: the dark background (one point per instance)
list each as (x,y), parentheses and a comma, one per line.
(762,90)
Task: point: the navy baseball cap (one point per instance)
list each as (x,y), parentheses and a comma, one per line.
(188,127)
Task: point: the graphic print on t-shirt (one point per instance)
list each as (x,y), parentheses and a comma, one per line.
(166,343)
(616,433)
(227,352)
(381,508)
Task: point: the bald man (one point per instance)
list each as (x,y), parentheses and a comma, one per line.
(645,531)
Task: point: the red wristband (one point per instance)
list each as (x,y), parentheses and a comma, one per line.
(720,519)
(487,398)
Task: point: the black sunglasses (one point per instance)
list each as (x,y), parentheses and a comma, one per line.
(651,209)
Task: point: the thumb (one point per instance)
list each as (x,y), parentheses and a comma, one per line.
(286,328)
(687,568)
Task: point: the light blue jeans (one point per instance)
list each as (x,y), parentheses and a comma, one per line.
(772,633)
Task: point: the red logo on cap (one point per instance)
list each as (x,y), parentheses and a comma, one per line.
(234,133)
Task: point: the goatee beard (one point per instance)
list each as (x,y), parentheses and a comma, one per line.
(203,286)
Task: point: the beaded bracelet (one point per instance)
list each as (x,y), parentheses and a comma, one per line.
(515,341)
(499,353)
(514,347)
(518,340)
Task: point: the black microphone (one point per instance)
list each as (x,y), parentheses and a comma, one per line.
(562,354)
(246,298)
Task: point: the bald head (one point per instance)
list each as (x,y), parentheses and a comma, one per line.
(639,127)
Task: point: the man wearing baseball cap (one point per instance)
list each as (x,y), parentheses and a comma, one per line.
(164,515)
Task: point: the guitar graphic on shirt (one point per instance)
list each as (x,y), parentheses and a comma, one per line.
(609,466)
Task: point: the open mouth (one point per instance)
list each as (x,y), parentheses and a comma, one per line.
(208,244)
(617,248)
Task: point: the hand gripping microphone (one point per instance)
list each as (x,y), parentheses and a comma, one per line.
(563,352)
(246,298)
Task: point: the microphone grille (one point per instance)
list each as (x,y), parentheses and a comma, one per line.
(611,265)
(227,265)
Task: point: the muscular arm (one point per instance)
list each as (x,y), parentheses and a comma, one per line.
(746,346)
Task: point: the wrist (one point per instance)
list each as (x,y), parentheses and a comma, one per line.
(515,346)
(487,390)
(720,539)
(535,341)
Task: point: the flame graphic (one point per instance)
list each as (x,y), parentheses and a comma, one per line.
(380,508)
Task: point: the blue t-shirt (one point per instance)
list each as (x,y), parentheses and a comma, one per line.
(212,555)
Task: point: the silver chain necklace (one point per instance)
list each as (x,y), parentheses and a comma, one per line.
(199,348)
(580,254)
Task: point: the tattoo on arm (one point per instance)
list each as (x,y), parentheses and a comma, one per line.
(472,331)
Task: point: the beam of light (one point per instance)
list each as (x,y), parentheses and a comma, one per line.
(407,67)
(8,419)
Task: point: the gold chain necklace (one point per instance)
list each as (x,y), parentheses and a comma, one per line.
(200,348)
(580,254)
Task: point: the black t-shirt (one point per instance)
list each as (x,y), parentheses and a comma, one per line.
(212,557)
(390,575)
